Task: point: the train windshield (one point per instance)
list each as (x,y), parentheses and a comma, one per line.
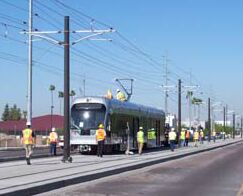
(87,116)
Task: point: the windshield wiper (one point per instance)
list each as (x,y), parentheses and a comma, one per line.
(77,128)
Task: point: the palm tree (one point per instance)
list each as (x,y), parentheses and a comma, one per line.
(72,94)
(52,88)
(60,95)
(197,102)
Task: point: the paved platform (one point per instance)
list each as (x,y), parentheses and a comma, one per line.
(46,174)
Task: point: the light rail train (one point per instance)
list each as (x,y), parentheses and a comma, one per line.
(121,121)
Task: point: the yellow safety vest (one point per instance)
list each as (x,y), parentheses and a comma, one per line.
(196,135)
(172,135)
(151,135)
(100,134)
(109,95)
(27,136)
(53,137)
(214,133)
(183,135)
(201,134)
(140,138)
(120,96)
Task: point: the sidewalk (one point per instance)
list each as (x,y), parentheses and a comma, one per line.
(46,174)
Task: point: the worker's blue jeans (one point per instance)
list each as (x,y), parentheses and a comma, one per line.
(53,147)
(172,145)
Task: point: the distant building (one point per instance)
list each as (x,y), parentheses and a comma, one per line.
(41,125)
(170,120)
(194,124)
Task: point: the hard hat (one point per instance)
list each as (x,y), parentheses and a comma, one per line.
(172,129)
(28,123)
(53,129)
(140,128)
(118,90)
(101,126)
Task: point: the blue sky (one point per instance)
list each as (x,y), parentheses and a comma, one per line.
(203,37)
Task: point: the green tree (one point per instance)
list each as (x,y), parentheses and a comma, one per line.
(11,113)
(196,101)
(5,115)
(60,96)
(15,113)
(220,128)
(72,94)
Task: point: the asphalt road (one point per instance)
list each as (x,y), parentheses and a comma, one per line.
(214,173)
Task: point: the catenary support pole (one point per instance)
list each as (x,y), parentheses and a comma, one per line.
(233,126)
(224,119)
(179,111)
(241,121)
(226,115)
(66,154)
(209,121)
(29,95)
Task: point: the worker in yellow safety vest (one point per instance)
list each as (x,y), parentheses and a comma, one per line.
(109,94)
(28,139)
(196,138)
(100,138)
(172,139)
(120,95)
(140,140)
(53,138)
(183,137)
(214,136)
(151,134)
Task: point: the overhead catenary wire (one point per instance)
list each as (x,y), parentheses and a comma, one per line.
(137,61)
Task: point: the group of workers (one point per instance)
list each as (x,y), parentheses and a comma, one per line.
(119,95)
(185,135)
(28,139)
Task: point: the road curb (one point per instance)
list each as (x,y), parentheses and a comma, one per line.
(81,179)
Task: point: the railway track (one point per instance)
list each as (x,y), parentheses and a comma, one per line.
(11,154)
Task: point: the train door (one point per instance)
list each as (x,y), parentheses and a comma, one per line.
(134,131)
(108,129)
(158,132)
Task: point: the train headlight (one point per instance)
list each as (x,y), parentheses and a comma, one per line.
(86,115)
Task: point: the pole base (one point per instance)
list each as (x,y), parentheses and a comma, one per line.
(67,159)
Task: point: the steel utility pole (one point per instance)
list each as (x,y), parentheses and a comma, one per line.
(179,110)
(233,126)
(66,43)
(190,102)
(226,115)
(241,121)
(209,121)
(224,120)
(29,96)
